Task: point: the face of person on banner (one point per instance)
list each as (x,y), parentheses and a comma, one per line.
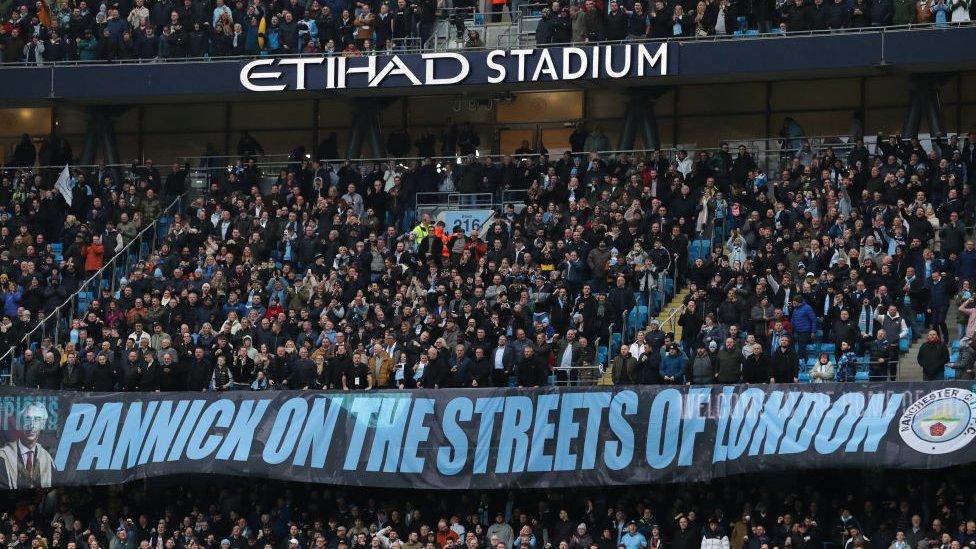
(33,420)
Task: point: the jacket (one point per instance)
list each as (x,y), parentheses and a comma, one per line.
(784,365)
(624,370)
(674,366)
(9,461)
(94,254)
(702,369)
(940,294)
(756,369)
(729,365)
(932,357)
(822,373)
(804,320)
(382,370)
(714,541)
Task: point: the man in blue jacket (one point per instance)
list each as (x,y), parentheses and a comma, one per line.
(940,294)
(804,322)
(966,269)
(673,366)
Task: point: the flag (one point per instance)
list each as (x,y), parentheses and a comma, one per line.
(64,185)
(262,31)
(44,14)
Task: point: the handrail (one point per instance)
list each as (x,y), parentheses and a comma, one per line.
(777,35)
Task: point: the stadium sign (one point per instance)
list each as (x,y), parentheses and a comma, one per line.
(446,68)
(484,438)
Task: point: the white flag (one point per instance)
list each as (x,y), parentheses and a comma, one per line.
(64,185)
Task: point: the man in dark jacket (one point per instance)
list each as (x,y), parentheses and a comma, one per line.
(819,16)
(50,374)
(199,371)
(729,362)
(797,16)
(103,376)
(932,357)
(839,16)
(784,363)
(756,368)
(844,329)
(940,294)
(615,27)
(501,361)
(685,537)
(530,371)
(545,29)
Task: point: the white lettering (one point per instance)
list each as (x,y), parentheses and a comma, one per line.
(247,78)
(657,59)
(521,54)
(431,79)
(608,62)
(568,54)
(300,64)
(545,66)
(497,67)
(394,66)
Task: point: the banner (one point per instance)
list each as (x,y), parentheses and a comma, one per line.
(483,438)
(467,220)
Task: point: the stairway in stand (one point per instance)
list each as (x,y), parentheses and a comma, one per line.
(668,318)
(908,368)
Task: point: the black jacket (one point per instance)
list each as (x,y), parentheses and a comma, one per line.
(616,25)
(784,365)
(932,357)
(198,375)
(756,369)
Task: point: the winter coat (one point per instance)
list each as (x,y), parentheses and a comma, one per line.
(822,373)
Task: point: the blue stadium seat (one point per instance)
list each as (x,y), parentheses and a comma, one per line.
(903,344)
(861,375)
(804,377)
(950,372)
(637,319)
(828,348)
(699,248)
(84,300)
(955,345)
(601,354)
(668,286)
(57,249)
(615,340)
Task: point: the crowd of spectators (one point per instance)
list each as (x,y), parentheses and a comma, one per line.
(46,31)
(326,280)
(768,511)
(594,20)
(47,249)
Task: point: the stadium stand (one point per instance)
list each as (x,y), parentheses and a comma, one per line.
(39,34)
(902,513)
(659,267)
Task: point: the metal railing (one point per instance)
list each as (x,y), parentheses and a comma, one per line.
(779,152)
(518,42)
(57,324)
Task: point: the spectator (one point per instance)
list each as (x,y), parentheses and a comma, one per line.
(932,357)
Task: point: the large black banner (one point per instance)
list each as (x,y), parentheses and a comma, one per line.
(483,438)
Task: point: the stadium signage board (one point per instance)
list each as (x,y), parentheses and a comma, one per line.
(449,68)
(486,438)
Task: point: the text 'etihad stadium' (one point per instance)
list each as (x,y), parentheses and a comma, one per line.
(445,68)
